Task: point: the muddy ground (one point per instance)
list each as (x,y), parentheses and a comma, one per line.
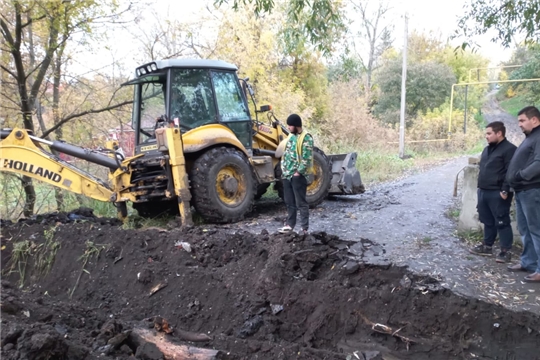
(383,275)
(90,287)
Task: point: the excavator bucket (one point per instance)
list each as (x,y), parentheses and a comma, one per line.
(345,177)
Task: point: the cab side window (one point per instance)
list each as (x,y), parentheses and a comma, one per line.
(229,97)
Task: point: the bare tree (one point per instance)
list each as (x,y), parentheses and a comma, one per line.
(32,54)
(377,35)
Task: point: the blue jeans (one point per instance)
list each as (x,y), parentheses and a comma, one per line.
(494,213)
(528,219)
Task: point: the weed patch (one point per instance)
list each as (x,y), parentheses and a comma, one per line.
(46,252)
(22,250)
(92,250)
(472,237)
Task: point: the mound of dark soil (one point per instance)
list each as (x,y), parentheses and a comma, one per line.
(88,290)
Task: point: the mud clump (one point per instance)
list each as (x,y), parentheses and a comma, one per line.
(88,290)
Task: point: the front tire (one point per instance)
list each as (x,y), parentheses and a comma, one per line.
(222,185)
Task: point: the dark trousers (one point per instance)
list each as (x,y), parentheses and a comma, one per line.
(294,192)
(494,213)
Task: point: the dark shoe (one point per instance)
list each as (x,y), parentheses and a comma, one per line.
(532,278)
(516,268)
(504,257)
(482,250)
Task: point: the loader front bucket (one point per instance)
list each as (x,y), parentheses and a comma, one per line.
(345,177)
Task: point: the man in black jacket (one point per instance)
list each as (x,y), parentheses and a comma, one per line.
(494,196)
(524,177)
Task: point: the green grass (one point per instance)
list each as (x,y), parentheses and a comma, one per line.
(453,213)
(513,105)
(472,237)
(480,120)
(375,166)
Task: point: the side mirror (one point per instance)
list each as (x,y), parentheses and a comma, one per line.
(265,108)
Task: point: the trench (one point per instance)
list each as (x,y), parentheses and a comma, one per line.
(257,296)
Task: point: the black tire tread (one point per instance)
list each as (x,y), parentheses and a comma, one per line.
(201,185)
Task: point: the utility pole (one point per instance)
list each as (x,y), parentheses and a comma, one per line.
(465,112)
(403,82)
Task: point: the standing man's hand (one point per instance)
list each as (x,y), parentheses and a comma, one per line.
(504,195)
(296,173)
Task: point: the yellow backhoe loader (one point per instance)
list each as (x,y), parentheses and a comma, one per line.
(196,144)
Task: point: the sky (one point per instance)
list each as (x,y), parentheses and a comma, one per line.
(439,17)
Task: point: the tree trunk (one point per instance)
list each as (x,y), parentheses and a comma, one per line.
(30,198)
(57,74)
(169,349)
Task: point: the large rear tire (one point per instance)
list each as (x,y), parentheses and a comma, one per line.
(222,185)
(318,190)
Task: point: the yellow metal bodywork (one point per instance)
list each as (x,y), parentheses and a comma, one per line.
(268,137)
(169,142)
(210,135)
(19,154)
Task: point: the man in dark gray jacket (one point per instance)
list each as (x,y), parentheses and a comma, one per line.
(524,177)
(494,196)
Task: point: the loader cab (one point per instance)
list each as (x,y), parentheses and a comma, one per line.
(188,94)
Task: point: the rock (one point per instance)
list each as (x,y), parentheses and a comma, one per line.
(148,351)
(77,352)
(250,327)
(276,308)
(12,335)
(372,355)
(10,306)
(405,282)
(41,344)
(350,268)
(8,347)
(126,349)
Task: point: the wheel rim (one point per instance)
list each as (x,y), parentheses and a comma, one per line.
(317,180)
(231,185)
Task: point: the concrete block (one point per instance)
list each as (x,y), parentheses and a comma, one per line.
(474,160)
(468,216)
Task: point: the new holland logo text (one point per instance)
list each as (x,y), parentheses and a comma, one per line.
(30,168)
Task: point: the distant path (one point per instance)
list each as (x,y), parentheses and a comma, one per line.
(493,112)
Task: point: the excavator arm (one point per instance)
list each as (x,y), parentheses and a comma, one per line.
(19,154)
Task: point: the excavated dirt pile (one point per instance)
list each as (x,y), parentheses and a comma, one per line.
(77,287)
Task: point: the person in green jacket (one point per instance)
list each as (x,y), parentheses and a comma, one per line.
(296,165)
